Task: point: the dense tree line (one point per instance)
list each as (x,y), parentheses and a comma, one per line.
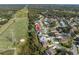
(34,43)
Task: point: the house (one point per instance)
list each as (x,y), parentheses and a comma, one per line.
(46,21)
(37,27)
(43,39)
(62,24)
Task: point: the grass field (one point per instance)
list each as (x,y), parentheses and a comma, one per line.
(15,29)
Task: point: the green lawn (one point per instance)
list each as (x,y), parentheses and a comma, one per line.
(16,30)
